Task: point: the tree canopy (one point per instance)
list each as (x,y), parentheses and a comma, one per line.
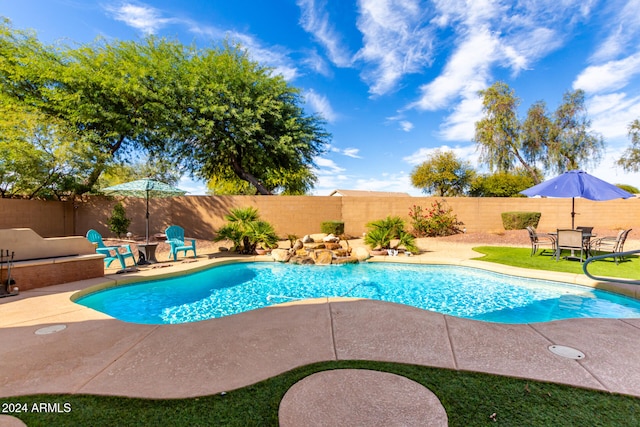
(553,142)
(212,112)
(443,174)
(630,160)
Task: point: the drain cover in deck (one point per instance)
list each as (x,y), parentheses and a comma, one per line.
(50,329)
(568,352)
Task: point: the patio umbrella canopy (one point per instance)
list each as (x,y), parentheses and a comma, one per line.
(144,188)
(577,183)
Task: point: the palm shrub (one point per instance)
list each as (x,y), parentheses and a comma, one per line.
(383,232)
(246,230)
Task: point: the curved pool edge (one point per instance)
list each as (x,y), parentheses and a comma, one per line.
(114,280)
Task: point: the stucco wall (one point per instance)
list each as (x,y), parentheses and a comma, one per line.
(202,215)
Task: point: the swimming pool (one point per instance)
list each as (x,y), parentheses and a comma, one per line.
(456,291)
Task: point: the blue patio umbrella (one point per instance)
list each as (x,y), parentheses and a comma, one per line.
(577,183)
(144,188)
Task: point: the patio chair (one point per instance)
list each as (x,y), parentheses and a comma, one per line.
(111,253)
(612,244)
(175,237)
(540,239)
(572,240)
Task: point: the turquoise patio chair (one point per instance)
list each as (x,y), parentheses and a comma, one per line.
(111,253)
(175,237)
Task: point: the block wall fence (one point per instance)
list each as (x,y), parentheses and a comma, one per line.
(202,215)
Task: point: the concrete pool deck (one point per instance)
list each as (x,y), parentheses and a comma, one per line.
(97,354)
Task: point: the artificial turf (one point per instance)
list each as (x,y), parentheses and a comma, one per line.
(470,399)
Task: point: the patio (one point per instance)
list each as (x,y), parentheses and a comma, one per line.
(96,354)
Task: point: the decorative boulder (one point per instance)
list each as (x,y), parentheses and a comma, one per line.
(314,246)
(280,255)
(331,238)
(322,257)
(297,246)
(301,260)
(332,246)
(307,239)
(361,253)
(318,237)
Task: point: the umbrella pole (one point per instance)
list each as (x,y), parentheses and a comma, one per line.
(573,212)
(147,219)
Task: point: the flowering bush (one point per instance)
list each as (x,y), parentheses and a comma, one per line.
(439,220)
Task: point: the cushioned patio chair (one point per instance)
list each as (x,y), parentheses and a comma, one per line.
(112,253)
(540,239)
(612,244)
(572,240)
(175,237)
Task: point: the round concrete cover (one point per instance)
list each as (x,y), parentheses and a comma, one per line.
(360,397)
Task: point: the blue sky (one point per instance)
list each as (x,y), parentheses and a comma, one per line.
(396,79)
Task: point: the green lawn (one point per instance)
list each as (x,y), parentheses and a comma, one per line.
(629,268)
(469,399)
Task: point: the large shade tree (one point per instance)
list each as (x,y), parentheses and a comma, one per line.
(213,111)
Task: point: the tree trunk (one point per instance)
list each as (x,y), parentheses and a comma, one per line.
(246,176)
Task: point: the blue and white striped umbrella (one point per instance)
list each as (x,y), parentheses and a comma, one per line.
(144,188)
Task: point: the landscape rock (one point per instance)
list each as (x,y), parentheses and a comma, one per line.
(331,238)
(307,239)
(361,253)
(323,257)
(281,255)
(303,260)
(318,237)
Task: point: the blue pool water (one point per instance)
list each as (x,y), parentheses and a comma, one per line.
(457,291)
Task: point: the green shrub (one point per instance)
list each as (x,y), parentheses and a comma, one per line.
(520,220)
(332,227)
(439,220)
(118,222)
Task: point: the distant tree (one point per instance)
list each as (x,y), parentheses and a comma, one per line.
(501,184)
(443,174)
(558,142)
(630,160)
(630,188)
(573,145)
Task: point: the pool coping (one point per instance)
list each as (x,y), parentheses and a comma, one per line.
(97,354)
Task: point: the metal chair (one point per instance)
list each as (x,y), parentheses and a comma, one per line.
(611,244)
(540,239)
(570,240)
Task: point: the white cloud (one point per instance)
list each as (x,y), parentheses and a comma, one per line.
(406,126)
(321,105)
(352,152)
(467,69)
(612,113)
(316,21)
(465,153)
(460,125)
(624,30)
(612,75)
(139,16)
(396,42)
(327,166)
